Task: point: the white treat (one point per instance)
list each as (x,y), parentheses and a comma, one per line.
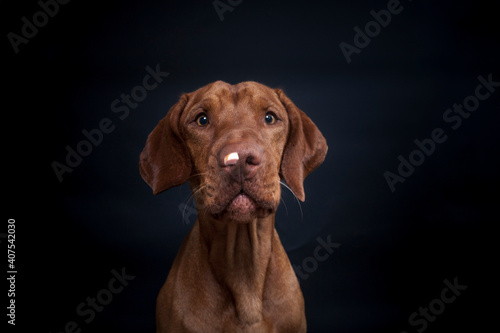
(231,159)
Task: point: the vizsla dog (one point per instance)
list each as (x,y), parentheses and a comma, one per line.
(233,143)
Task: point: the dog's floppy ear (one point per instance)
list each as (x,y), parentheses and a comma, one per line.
(305,149)
(165,161)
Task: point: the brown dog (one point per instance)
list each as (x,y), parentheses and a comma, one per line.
(232,142)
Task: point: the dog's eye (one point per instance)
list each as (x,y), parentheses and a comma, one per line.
(202,119)
(270,118)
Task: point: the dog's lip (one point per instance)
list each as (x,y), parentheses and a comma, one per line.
(233,202)
(242,204)
(242,207)
(242,201)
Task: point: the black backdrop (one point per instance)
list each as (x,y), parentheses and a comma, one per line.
(379,78)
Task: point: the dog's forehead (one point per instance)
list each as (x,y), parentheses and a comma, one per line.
(222,93)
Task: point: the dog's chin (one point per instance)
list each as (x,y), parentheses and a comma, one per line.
(244,209)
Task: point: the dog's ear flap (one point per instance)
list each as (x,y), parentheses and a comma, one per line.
(305,149)
(164,161)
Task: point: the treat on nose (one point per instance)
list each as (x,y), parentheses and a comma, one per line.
(231,159)
(241,160)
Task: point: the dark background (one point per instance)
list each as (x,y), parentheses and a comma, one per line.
(396,249)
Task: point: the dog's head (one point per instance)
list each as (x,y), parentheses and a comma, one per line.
(233,143)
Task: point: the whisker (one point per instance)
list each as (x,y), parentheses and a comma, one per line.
(284,204)
(198,174)
(296,199)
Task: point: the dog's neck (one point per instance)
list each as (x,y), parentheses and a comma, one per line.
(239,255)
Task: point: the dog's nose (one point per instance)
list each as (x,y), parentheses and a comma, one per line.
(241,160)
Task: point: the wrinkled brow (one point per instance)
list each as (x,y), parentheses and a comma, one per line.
(207,103)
